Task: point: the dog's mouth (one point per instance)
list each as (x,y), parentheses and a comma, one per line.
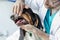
(21,21)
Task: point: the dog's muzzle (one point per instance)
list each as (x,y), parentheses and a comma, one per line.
(19,20)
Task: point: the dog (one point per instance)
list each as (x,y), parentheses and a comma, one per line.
(27,17)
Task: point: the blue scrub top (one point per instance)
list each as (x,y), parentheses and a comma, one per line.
(12,0)
(48,21)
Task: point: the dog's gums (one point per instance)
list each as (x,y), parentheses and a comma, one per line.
(21,21)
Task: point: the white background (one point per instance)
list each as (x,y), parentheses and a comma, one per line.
(7,26)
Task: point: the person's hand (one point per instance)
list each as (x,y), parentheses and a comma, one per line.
(52,3)
(18,7)
(28,27)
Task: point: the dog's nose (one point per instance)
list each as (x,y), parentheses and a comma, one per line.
(14,17)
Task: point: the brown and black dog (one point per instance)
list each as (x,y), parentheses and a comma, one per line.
(27,17)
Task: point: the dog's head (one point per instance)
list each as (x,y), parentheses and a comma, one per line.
(27,17)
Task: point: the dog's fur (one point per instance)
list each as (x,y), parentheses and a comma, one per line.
(34,18)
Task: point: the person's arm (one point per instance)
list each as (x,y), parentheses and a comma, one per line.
(40,34)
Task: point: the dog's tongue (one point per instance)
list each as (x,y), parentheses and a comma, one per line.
(20,22)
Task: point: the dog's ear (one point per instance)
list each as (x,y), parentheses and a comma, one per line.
(38,23)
